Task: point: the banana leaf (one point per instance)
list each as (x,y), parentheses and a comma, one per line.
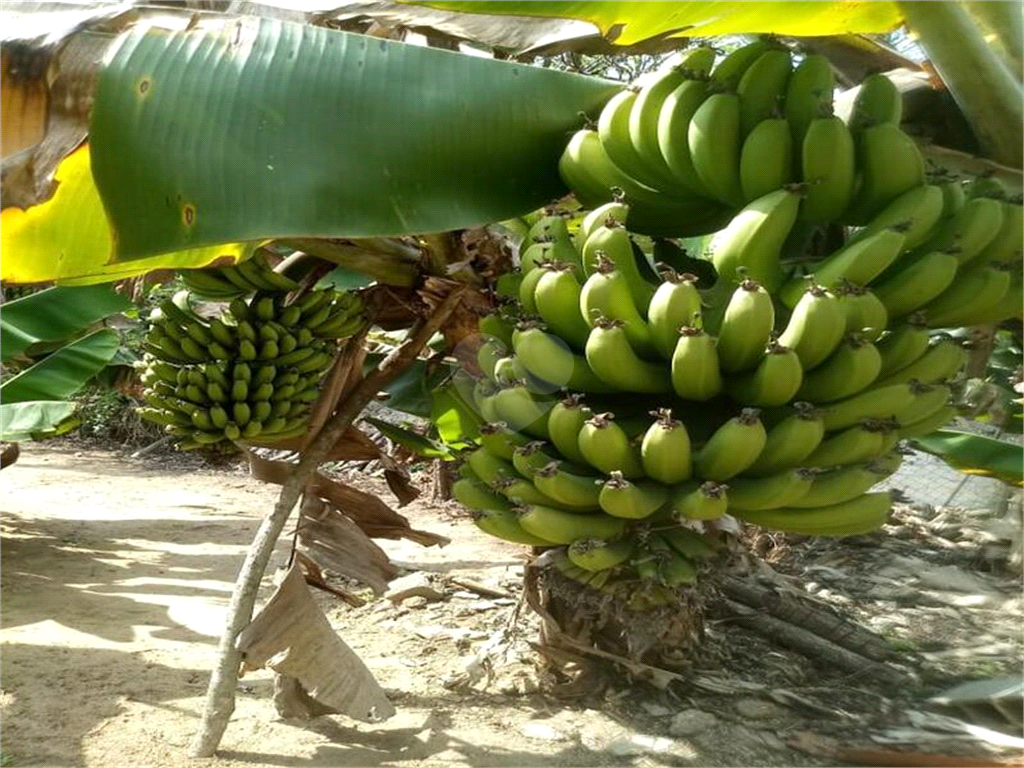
(415,442)
(976,454)
(628,22)
(456,422)
(23,421)
(53,315)
(63,373)
(265,129)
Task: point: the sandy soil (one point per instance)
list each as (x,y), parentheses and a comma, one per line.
(115,578)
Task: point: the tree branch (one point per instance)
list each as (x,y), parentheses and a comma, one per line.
(220,696)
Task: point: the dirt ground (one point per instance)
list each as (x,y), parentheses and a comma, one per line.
(116,574)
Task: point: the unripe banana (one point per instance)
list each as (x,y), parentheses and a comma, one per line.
(621,498)
(613,128)
(613,360)
(874,403)
(774,381)
(568,489)
(986,185)
(977,289)
(504,524)
(564,424)
(527,289)
(547,357)
(941,361)
(598,554)
(920,281)
(501,441)
(902,345)
(606,447)
(488,467)
(865,313)
(953,196)
(915,213)
(714,140)
(727,73)
(612,240)
(746,327)
(763,87)
(890,165)
(926,401)
(859,262)
(606,295)
(753,239)
(674,570)
(766,159)
(673,126)
(523,491)
(928,424)
(704,501)
(557,298)
(840,485)
(1008,307)
(687,542)
(790,441)
(829,170)
(732,448)
(808,94)
(851,446)
(970,231)
(772,492)
(851,368)
(675,303)
(815,328)
(617,209)
(665,450)
(1008,244)
(523,410)
(562,527)
(860,515)
(529,459)
(696,374)
(499,326)
(474,494)
(878,101)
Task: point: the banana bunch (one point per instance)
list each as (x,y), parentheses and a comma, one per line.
(241,279)
(250,374)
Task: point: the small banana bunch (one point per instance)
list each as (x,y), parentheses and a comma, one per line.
(241,279)
(251,374)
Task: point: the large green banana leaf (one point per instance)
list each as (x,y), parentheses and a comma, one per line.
(60,375)
(21,421)
(54,315)
(629,22)
(976,454)
(267,129)
(67,240)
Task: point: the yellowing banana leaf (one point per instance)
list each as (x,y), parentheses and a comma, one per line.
(54,314)
(263,129)
(60,375)
(22,421)
(67,239)
(976,454)
(628,22)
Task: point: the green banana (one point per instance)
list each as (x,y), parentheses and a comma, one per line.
(621,498)
(848,370)
(978,288)
(613,129)
(877,102)
(926,400)
(903,344)
(928,424)
(528,289)
(970,231)
(1008,307)
(703,501)
(851,446)
(815,328)
(839,485)
(504,524)
(488,355)
(488,467)
(606,447)
(860,515)
(917,283)
(563,527)
(606,295)
(474,494)
(523,410)
(665,450)
(674,304)
(781,490)
(612,240)
(547,357)
(953,196)
(714,142)
(874,403)
(696,373)
(732,448)
(865,313)
(915,213)
(753,239)
(501,441)
(766,159)
(673,126)
(616,363)
(829,169)
(746,327)
(774,381)
(688,542)
(727,73)
(763,87)
(529,459)
(523,491)
(790,441)
(942,360)
(564,424)
(1008,244)
(568,489)
(598,554)
(616,209)
(536,254)
(808,95)
(557,299)
(498,326)
(890,165)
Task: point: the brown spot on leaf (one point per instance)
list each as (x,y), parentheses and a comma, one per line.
(143,86)
(188,214)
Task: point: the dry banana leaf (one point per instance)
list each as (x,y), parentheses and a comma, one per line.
(291,636)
